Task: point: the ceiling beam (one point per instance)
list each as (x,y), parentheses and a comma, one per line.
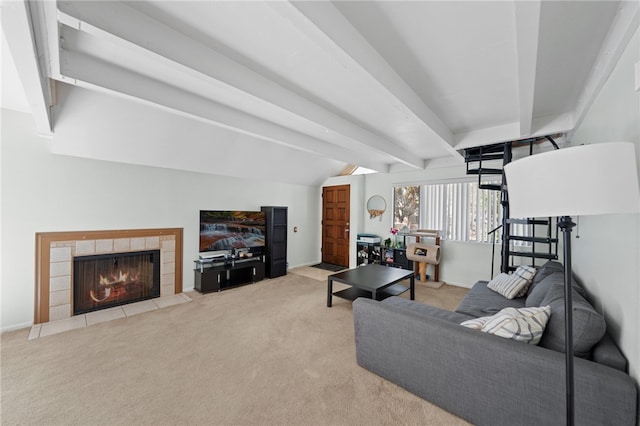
(87,72)
(323,23)
(44,18)
(119,21)
(487,136)
(624,26)
(527,23)
(19,32)
(541,126)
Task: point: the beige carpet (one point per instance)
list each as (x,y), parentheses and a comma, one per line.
(269,353)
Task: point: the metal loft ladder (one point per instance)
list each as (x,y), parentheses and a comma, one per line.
(543,246)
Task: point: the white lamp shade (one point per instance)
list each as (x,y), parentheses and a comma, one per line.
(583,180)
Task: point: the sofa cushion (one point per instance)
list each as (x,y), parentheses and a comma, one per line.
(606,352)
(544,271)
(588,325)
(537,295)
(551,268)
(515,284)
(425,311)
(523,324)
(481,301)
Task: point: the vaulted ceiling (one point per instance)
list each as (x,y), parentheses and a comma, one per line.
(295,91)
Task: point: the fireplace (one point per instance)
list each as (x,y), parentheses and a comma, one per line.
(56,253)
(108,280)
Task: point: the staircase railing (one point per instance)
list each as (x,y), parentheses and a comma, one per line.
(493,246)
(504,152)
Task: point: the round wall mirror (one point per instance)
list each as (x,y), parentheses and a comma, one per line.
(376,206)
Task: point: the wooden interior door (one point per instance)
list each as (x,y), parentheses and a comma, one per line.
(335,224)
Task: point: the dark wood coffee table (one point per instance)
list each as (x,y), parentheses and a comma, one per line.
(372,281)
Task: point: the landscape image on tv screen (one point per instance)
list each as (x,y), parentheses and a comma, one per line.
(226,230)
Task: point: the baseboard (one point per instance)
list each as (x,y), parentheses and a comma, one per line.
(16,327)
(300,265)
(458,284)
(431,284)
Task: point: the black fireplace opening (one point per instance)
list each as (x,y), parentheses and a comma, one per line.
(108,280)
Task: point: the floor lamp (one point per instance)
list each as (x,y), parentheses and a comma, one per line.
(583,180)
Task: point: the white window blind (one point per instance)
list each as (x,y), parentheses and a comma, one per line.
(462,211)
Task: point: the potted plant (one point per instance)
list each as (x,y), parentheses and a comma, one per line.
(394,232)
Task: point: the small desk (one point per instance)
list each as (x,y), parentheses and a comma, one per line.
(372,281)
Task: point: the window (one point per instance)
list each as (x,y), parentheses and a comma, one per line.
(406,207)
(462,211)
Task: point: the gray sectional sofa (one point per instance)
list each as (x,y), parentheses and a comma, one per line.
(491,380)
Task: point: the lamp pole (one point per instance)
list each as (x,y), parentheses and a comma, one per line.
(567,182)
(566,226)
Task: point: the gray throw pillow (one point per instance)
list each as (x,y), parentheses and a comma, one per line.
(552,277)
(544,271)
(588,325)
(537,295)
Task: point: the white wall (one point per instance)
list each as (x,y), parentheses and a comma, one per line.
(44,192)
(606,257)
(462,264)
(126,131)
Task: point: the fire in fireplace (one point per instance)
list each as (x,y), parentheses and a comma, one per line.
(105,281)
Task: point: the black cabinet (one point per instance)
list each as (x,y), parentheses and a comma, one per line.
(207,280)
(396,257)
(276,241)
(368,253)
(216,276)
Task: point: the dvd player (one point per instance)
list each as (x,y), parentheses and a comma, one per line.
(213,254)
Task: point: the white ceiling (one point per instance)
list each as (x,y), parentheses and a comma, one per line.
(306,88)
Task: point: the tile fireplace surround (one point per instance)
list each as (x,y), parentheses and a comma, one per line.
(54,263)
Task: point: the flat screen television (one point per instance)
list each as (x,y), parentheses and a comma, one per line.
(227,230)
